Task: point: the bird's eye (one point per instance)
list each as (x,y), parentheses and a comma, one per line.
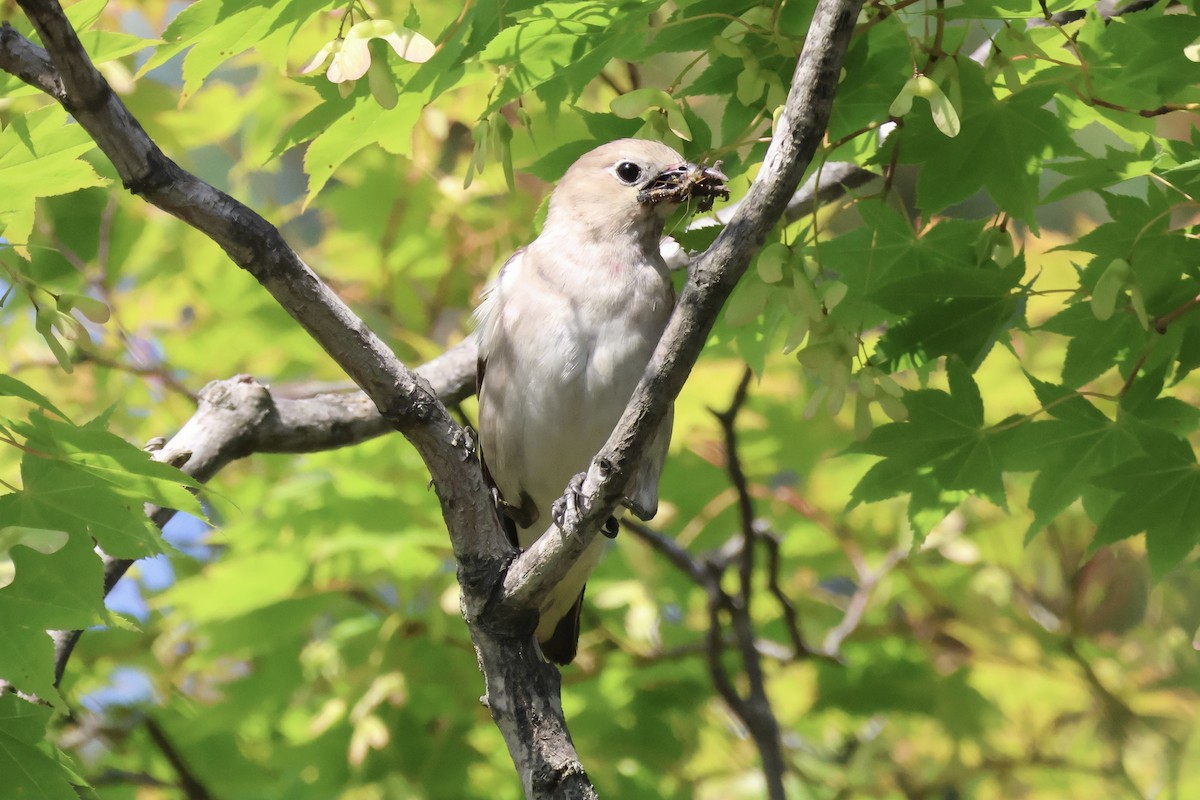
(629,172)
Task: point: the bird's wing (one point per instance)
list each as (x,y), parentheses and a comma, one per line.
(517,509)
(487,313)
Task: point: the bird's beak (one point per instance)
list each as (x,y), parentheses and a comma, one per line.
(681,183)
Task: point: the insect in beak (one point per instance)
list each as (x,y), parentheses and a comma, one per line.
(681,183)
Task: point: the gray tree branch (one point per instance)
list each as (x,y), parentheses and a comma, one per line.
(239,416)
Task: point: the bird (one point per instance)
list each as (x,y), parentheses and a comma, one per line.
(565,332)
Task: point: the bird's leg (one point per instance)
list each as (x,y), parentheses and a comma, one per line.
(467,440)
(570,503)
(573,503)
(524,514)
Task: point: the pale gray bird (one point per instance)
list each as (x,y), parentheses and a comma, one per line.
(565,332)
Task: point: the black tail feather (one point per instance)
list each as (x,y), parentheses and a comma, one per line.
(564,642)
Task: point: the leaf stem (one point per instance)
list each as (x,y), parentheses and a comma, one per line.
(1162,323)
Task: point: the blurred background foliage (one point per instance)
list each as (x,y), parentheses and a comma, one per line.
(977,452)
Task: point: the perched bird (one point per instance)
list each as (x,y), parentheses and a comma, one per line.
(565,333)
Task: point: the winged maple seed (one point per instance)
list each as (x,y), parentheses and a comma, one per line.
(686,182)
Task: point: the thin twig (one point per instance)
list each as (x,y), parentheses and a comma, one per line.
(737,477)
(1162,323)
(791,619)
(192,787)
(857,606)
(753,708)
(668,547)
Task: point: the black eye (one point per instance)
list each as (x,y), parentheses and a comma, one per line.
(629,172)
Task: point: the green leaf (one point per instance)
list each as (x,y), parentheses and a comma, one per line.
(43,540)
(567,41)
(11,387)
(57,591)
(975,309)
(236,586)
(1001,147)
(28,771)
(1159,493)
(365,124)
(217,31)
(62,496)
(40,156)
(1096,345)
(1070,453)
(128,470)
(942,444)
(27,660)
(1094,173)
(101,45)
(694,25)
(91,483)
(942,299)
(1158,256)
(887,252)
(1067,451)
(1140,61)
(876,70)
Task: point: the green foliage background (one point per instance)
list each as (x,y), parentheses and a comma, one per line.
(984,428)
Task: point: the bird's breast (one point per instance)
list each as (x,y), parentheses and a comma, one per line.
(578,389)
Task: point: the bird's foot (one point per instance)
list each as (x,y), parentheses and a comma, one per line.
(573,503)
(570,503)
(466,440)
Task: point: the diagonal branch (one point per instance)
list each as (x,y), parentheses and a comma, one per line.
(189,784)
(257,246)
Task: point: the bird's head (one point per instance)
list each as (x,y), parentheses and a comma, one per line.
(630,186)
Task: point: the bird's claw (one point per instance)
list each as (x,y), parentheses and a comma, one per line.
(573,503)
(569,503)
(466,440)
(610,527)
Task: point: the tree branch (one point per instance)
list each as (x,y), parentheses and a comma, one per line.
(23,58)
(867,581)
(257,246)
(833,180)
(753,707)
(239,416)
(191,786)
